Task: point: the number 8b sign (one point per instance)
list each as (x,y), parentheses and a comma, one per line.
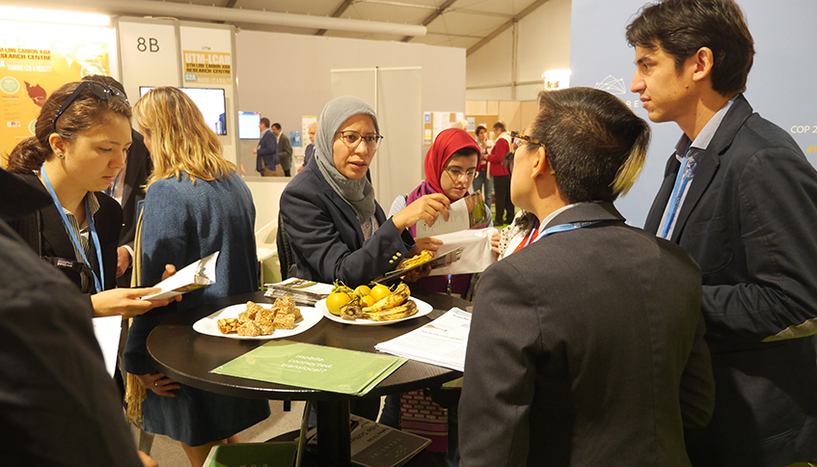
(151,44)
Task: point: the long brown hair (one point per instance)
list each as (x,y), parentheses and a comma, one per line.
(85,112)
(181,141)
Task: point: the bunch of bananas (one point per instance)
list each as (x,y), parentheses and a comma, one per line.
(424,256)
(391,307)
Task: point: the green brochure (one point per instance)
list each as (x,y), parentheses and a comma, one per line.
(313,366)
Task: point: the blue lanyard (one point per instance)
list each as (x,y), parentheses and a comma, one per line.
(98,284)
(683,178)
(557,229)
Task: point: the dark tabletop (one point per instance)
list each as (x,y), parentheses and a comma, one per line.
(188,357)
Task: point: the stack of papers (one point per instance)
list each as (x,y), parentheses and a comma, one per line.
(441,342)
(304,292)
(313,366)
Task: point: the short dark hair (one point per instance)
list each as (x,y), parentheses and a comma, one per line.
(682,27)
(264,121)
(499,125)
(276,125)
(481,127)
(594,143)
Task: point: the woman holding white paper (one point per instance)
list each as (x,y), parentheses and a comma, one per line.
(81,140)
(450,167)
(196,205)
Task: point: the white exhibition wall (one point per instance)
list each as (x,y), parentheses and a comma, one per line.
(286,77)
(160,52)
(543,43)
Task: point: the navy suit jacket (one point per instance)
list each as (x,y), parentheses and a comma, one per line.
(267,152)
(750,221)
(586,348)
(326,237)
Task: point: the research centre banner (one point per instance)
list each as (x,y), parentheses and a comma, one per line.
(35,60)
(780,87)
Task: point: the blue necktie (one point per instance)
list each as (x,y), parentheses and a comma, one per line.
(681,181)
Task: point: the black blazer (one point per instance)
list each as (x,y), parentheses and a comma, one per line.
(45,233)
(586,348)
(136,176)
(326,237)
(267,152)
(284,151)
(750,221)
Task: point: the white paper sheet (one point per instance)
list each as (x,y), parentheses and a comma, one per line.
(107,330)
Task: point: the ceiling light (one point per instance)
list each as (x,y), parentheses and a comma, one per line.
(9,13)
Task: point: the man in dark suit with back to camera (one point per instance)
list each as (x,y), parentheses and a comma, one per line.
(284,149)
(266,158)
(586,346)
(741,198)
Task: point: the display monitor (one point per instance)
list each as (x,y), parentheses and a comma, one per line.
(210,102)
(248,125)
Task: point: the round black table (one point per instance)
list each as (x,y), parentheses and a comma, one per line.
(186,356)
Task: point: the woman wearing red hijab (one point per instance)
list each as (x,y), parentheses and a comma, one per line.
(450,167)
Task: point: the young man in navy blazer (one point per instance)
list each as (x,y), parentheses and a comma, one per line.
(741,198)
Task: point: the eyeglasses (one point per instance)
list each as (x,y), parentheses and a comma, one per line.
(457,173)
(520,138)
(100,90)
(352,139)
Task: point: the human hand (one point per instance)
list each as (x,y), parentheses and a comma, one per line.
(495,242)
(417,274)
(300,168)
(123,260)
(147,461)
(427,208)
(426,243)
(170,270)
(255,151)
(126,302)
(159,383)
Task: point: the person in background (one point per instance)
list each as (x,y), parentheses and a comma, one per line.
(196,205)
(284,149)
(336,228)
(81,139)
(128,189)
(483,182)
(58,405)
(740,196)
(266,159)
(501,176)
(309,152)
(588,348)
(450,166)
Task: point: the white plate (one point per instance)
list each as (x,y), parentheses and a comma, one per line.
(423,309)
(209,324)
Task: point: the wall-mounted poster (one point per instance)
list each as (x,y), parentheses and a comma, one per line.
(35,60)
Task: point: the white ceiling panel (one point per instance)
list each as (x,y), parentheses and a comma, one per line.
(454,23)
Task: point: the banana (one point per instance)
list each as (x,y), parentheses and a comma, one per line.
(403,311)
(396,298)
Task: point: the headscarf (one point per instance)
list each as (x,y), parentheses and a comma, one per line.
(445,145)
(359,194)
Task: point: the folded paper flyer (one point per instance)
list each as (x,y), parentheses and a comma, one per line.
(194,276)
(313,366)
(464,214)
